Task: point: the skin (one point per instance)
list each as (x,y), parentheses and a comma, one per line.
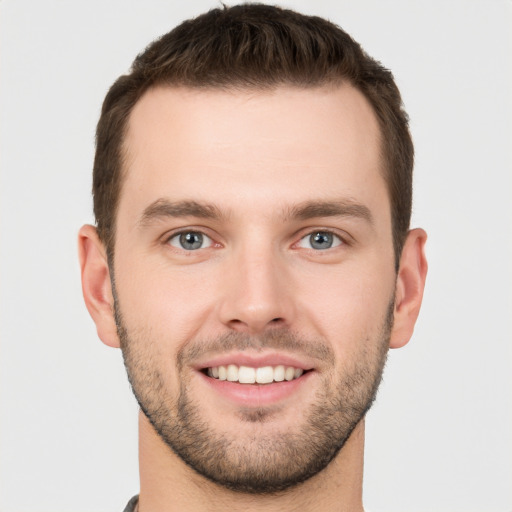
(258,157)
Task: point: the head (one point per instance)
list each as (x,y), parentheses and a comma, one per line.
(252,189)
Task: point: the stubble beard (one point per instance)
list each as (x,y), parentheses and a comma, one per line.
(266,462)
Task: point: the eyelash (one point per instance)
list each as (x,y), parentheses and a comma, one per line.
(178,234)
(336,239)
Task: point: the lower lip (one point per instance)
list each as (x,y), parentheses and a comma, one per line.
(255,395)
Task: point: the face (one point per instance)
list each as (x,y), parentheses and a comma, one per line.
(254,276)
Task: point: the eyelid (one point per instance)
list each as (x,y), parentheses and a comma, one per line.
(337,241)
(343,236)
(166,239)
(205,239)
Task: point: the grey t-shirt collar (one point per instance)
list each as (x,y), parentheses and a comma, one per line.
(133,505)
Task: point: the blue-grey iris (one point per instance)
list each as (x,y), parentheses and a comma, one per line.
(191,240)
(321,240)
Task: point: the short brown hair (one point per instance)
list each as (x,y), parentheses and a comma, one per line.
(254,46)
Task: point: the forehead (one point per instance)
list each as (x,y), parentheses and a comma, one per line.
(252,149)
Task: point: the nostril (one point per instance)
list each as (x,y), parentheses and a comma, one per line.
(254,326)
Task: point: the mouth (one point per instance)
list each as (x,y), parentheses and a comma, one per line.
(256,380)
(250,375)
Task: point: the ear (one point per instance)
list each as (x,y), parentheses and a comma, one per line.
(409,287)
(96,284)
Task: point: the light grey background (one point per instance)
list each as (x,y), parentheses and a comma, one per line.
(440,437)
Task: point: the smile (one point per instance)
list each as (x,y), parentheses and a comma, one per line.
(249,375)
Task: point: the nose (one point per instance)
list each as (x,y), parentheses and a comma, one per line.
(257,292)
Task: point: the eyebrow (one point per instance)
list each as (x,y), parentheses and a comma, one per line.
(342,208)
(163,208)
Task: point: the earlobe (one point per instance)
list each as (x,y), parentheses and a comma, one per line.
(409,287)
(96,284)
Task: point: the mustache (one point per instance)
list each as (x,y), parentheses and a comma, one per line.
(277,339)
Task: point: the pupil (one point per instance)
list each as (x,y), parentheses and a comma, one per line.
(191,240)
(321,240)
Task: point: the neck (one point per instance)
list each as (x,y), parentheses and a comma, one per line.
(167,484)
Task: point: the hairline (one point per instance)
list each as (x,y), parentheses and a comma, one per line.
(328,83)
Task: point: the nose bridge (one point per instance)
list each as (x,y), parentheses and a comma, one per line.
(256,295)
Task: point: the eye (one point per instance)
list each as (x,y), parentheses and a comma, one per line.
(190,240)
(320,240)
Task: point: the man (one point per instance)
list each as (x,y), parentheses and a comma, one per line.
(252,257)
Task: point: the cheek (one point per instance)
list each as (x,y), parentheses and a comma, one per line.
(168,302)
(348,306)
(160,314)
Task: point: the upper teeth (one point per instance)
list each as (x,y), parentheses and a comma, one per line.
(248,375)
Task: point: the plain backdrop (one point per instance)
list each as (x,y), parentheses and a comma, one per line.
(440,436)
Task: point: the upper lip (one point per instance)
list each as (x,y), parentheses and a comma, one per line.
(255,360)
